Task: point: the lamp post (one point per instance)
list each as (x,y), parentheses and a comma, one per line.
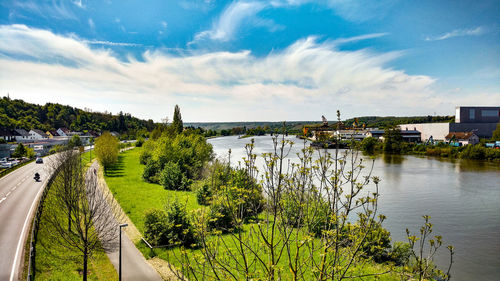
(120,254)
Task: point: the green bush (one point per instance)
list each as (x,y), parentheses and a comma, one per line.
(204,194)
(150,172)
(172,178)
(180,229)
(378,239)
(400,253)
(139,142)
(314,217)
(155,227)
(172,227)
(221,215)
(145,157)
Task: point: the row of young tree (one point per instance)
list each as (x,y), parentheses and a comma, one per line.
(312,220)
(79,215)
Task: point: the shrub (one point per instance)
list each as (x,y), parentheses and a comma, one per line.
(180,229)
(145,157)
(314,217)
(172,227)
(150,172)
(400,253)
(204,194)
(378,239)
(221,215)
(172,178)
(139,142)
(155,227)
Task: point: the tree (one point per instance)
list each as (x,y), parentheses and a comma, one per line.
(177,122)
(90,222)
(392,140)
(75,141)
(106,150)
(496,133)
(20,151)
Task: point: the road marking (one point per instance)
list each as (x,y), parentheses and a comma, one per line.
(1,200)
(8,193)
(21,240)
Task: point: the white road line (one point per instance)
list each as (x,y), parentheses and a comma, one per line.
(8,193)
(21,240)
(1,200)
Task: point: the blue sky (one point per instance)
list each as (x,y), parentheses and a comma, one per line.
(252,60)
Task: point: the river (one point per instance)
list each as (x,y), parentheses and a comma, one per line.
(461,196)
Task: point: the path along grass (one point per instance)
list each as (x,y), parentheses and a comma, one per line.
(137,196)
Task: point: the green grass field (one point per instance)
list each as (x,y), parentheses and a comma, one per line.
(137,196)
(52,259)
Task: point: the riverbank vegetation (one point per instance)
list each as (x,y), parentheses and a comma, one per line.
(308,220)
(396,146)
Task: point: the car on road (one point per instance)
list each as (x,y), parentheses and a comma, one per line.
(39,160)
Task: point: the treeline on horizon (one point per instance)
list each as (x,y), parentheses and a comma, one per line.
(18,114)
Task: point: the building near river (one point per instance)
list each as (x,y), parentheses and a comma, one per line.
(481,120)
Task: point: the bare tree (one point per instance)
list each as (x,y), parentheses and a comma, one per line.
(89,223)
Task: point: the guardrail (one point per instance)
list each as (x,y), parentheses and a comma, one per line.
(35,226)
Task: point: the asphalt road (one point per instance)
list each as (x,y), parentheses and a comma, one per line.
(18,196)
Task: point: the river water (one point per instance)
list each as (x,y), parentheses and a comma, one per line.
(462,198)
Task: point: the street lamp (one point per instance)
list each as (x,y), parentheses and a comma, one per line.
(120,254)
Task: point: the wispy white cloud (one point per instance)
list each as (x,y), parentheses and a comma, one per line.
(458,33)
(231,19)
(57,9)
(299,82)
(91,24)
(78,3)
(109,43)
(359,38)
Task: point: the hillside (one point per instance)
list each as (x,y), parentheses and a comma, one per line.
(15,113)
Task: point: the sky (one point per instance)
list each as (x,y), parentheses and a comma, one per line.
(252,60)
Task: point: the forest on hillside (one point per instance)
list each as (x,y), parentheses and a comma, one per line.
(15,113)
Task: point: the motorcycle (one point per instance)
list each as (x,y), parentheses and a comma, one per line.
(37,177)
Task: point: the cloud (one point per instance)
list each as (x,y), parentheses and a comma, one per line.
(301,82)
(91,24)
(225,27)
(79,4)
(54,9)
(108,43)
(359,38)
(458,33)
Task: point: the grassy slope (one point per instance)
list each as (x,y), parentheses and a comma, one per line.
(52,262)
(137,196)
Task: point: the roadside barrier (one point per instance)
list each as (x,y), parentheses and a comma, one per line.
(35,226)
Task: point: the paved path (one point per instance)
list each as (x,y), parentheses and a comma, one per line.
(18,196)
(134,265)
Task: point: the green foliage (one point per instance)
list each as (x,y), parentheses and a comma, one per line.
(172,178)
(172,227)
(378,239)
(106,149)
(189,152)
(177,121)
(479,152)
(392,140)
(400,253)
(51,116)
(20,151)
(368,145)
(496,133)
(139,142)
(75,141)
(155,222)
(204,194)
(150,172)
(30,153)
(222,215)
